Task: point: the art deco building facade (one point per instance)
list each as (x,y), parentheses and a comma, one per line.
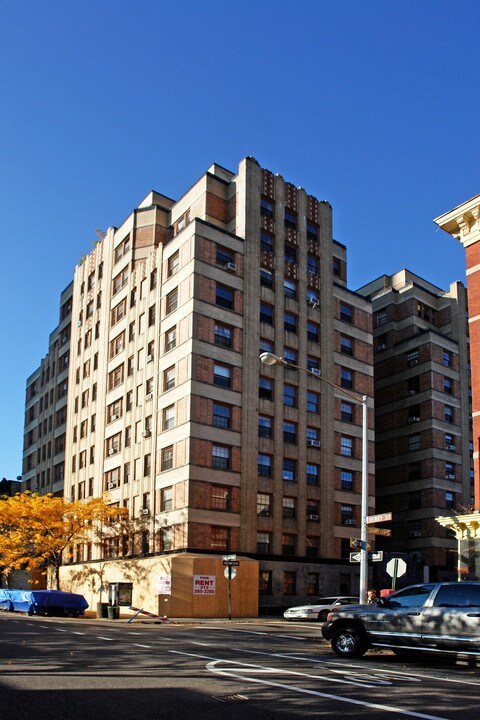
(170,410)
(424,464)
(46,410)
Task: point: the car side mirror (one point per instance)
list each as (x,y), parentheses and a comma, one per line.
(383,602)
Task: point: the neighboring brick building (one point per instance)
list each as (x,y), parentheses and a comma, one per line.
(422,414)
(170,410)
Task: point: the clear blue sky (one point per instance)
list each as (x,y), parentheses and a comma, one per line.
(371,105)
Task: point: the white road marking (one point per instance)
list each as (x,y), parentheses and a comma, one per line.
(140,645)
(290,637)
(249,632)
(99,637)
(76,632)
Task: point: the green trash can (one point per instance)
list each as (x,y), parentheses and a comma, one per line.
(102,610)
(113,612)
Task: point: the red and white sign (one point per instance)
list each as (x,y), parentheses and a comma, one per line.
(164,584)
(204,584)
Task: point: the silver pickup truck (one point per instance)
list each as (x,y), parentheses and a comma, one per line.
(437,617)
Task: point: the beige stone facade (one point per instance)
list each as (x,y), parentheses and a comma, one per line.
(170,411)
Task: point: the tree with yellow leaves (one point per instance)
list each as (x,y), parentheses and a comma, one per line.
(40,531)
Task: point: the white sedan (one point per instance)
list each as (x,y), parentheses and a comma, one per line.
(320,610)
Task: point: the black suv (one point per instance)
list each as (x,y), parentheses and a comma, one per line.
(439,617)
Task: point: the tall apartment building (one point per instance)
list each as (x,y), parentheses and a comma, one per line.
(422,413)
(46,409)
(170,410)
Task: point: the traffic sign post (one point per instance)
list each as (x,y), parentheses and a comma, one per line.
(376,556)
(230,562)
(396,567)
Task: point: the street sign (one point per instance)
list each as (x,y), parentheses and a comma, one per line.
(230,572)
(372,556)
(379,531)
(229,557)
(231,563)
(382,517)
(396,567)
(356,544)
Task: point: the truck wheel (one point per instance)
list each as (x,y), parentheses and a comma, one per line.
(349,642)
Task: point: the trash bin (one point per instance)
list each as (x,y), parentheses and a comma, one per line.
(113,612)
(102,610)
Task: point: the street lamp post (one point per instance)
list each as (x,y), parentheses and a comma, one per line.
(270,359)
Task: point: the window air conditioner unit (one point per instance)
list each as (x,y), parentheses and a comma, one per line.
(313,443)
(350,521)
(413,419)
(112,451)
(79,323)
(312,517)
(148,396)
(316,371)
(230,266)
(412,363)
(145,511)
(409,393)
(146,433)
(452,448)
(111,486)
(450,476)
(313,302)
(149,358)
(114,417)
(382,346)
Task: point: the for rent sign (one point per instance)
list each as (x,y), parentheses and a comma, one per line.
(204,584)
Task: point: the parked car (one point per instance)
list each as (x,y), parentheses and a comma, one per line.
(318,611)
(437,617)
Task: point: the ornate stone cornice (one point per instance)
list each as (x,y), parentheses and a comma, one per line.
(464,526)
(463,222)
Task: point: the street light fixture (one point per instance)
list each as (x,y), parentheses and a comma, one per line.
(270,359)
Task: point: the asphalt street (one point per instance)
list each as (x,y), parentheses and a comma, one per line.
(110,670)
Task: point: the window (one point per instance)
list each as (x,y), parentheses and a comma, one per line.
(447,385)
(264,426)
(118,312)
(115,377)
(346,313)
(219,538)
(224,256)
(449,500)
(167,458)
(312,298)
(173,264)
(346,515)
(346,345)
(266,208)
(222,375)
(116,345)
(447,358)
(263,542)
(288,544)
(290,356)
(224,297)
(312,584)
(264,465)
(448,416)
(266,242)
(153,279)
(169,378)
(265,345)
(264,581)
(346,446)
(413,358)
(290,219)
(121,249)
(290,322)
(266,313)
(346,378)
(415,529)
(313,402)
(289,583)
(290,289)
(221,415)
(450,442)
(167,499)
(223,335)
(312,264)
(337,267)
(147,465)
(171,302)
(288,507)
(170,339)
(168,417)
(381,318)
(219,498)
(290,396)
(414,442)
(449,471)
(166,540)
(265,388)
(220,457)
(311,231)
(312,474)
(119,281)
(289,432)
(313,331)
(264,504)
(312,434)
(346,412)
(346,479)
(290,254)
(313,364)
(266,278)
(289,471)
